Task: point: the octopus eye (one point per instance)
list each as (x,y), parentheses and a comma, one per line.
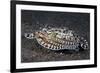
(29,35)
(63,31)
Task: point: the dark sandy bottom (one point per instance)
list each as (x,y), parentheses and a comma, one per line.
(32,52)
(32,20)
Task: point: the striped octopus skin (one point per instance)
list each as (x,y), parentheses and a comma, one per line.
(55,42)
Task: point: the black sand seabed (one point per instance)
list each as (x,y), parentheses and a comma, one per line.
(31,21)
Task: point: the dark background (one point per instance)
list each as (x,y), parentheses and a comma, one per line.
(32,21)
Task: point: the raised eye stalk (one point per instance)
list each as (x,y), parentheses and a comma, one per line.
(29,35)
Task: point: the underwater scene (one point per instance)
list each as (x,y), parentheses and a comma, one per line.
(54,36)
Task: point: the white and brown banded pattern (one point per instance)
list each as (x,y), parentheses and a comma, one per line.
(67,42)
(57,46)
